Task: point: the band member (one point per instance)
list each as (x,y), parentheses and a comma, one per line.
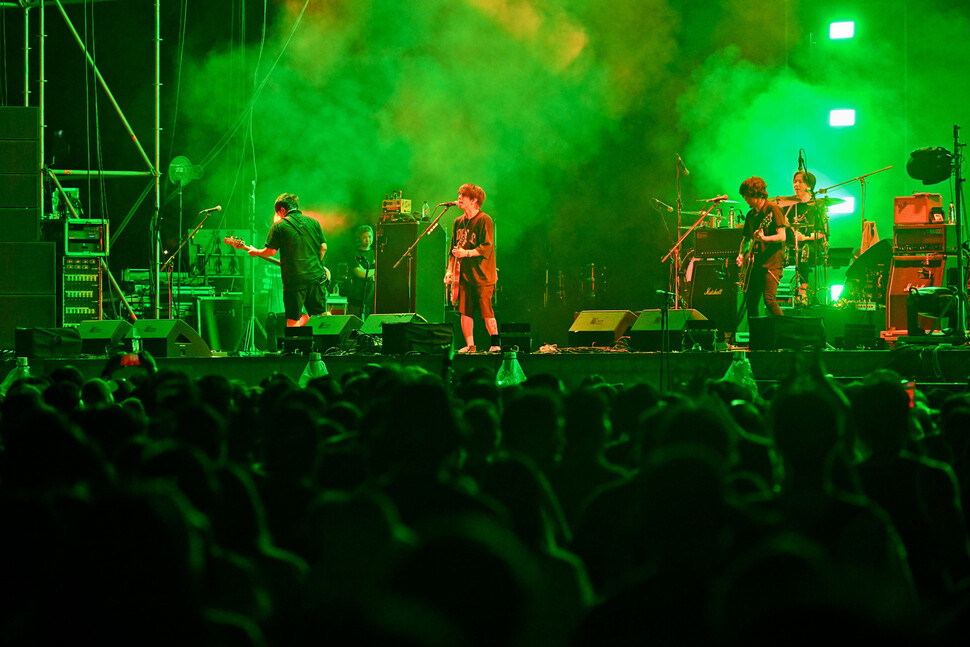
(360,292)
(763,243)
(473,252)
(302,245)
(811,227)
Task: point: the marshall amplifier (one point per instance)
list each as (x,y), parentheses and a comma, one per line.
(910,272)
(714,292)
(717,242)
(924,239)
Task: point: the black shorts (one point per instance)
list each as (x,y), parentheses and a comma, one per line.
(474,299)
(313,297)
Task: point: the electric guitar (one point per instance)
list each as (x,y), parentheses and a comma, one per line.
(454,278)
(748,262)
(239,243)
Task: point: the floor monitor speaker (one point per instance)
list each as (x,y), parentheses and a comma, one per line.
(102,336)
(374,324)
(795,333)
(600,327)
(685,328)
(167,338)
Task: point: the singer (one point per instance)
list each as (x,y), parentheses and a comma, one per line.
(762,247)
(471,266)
(302,245)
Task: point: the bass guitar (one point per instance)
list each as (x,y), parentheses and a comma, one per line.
(747,263)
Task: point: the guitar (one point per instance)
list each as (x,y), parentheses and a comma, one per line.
(745,276)
(239,243)
(453,278)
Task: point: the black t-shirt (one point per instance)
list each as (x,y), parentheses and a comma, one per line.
(358,289)
(476,233)
(298,239)
(769,219)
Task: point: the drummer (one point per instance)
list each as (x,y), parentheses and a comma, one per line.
(811,226)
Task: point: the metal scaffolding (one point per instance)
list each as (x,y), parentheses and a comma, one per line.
(151,164)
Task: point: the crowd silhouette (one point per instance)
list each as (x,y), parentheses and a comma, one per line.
(395,506)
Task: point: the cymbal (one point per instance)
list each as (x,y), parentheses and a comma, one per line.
(828,201)
(784,200)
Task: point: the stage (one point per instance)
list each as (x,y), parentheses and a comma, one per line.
(926,364)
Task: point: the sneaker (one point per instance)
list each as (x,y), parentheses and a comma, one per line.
(495,349)
(466,349)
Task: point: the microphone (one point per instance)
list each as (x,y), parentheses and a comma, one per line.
(664,293)
(448,204)
(216,208)
(681,162)
(719,198)
(663,206)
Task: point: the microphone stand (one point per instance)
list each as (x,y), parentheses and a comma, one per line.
(407,252)
(168,266)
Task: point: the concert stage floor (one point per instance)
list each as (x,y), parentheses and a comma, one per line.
(925,364)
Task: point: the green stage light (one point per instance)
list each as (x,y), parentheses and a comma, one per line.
(844,207)
(842,30)
(839,118)
(836,291)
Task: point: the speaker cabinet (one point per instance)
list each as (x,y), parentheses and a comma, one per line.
(20,176)
(167,338)
(102,337)
(795,333)
(600,327)
(27,268)
(49,343)
(322,333)
(417,337)
(714,293)
(25,311)
(221,321)
(647,335)
(416,284)
(905,273)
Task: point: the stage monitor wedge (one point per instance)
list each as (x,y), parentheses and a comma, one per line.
(600,327)
(167,338)
(647,332)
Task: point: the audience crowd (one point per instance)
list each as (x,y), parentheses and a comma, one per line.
(399,507)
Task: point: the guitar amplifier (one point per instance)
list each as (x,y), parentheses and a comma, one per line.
(910,272)
(918,209)
(717,242)
(924,239)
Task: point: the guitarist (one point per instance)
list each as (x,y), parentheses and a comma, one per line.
(302,245)
(473,251)
(762,247)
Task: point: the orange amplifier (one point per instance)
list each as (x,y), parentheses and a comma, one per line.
(919,209)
